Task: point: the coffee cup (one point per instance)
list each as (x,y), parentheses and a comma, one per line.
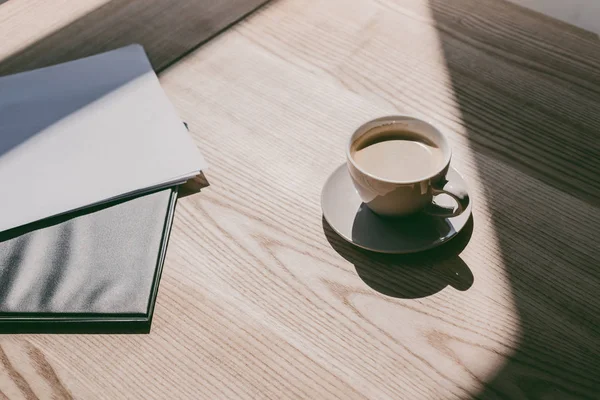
(398,164)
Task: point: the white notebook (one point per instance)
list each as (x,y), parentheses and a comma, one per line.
(85,132)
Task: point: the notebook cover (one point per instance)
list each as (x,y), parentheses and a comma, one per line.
(94,271)
(101,124)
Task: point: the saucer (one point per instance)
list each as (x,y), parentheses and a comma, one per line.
(350,218)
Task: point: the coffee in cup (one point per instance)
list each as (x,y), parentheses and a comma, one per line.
(398,164)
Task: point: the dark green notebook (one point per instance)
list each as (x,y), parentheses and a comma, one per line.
(93,271)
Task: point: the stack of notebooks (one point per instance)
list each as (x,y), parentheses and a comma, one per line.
(91,155)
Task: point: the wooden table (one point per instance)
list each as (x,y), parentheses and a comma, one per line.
(260,299)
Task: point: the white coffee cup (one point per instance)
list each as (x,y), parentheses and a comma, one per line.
(401,198)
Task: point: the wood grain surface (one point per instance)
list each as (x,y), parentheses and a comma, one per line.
(260,299)
(39,33)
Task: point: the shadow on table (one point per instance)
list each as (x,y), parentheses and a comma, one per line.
(409,276)
(168,30)
(582,13)
(528,88)
(194,185)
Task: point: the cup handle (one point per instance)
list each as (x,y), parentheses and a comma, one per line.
(460,196)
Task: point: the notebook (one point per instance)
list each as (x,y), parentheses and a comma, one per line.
(95,270)
(86,132)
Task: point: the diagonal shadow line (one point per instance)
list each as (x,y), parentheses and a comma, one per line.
(17,126)
(528,100)
(168,31)
(409,276)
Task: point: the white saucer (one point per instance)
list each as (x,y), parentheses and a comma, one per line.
(350,218)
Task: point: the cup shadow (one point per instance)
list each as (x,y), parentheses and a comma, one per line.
(409,276)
